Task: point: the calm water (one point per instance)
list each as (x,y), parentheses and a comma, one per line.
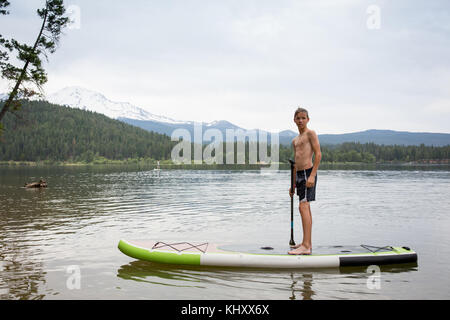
(47,236)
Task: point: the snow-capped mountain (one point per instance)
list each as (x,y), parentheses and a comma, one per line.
(3,96)
(85,99)
(81,98)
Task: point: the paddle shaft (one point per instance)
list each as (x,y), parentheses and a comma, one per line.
(291,241)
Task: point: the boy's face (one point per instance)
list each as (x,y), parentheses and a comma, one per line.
(301,120)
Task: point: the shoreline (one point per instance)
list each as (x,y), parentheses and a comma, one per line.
(204,166)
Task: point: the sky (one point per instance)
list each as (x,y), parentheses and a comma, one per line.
(355,65)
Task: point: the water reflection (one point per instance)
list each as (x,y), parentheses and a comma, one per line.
(21,276)
(302,284)
(142,271)
(305,286)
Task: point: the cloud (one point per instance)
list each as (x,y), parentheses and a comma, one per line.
(253,62)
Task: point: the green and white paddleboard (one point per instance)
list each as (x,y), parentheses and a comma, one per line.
(249,256)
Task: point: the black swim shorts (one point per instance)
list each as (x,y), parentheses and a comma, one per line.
(304,193)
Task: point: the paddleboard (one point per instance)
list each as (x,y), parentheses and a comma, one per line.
(254,256)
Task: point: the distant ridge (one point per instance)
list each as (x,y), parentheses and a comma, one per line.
(381,137)
(388,137)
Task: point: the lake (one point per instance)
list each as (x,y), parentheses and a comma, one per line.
(73,227)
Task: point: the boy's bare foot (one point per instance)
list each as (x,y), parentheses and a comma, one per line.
(300,250)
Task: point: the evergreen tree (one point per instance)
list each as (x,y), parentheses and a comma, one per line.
(32,72)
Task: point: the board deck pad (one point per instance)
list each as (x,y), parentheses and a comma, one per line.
(316,250)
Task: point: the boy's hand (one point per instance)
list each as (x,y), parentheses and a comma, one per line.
(291,193)
(310,182)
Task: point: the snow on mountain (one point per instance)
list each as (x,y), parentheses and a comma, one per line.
(85,99)
(3,96)
(81,98)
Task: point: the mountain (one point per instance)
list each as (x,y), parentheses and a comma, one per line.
(3,96)
(84,99)
(81,98)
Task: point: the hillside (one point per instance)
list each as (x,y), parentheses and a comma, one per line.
(43,131)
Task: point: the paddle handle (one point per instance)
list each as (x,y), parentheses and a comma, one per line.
(291,241)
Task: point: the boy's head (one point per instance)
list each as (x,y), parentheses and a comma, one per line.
(301,118)
(301,110)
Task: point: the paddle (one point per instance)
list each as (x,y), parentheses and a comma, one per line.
(292,242)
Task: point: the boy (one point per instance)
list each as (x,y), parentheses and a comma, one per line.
(305,145)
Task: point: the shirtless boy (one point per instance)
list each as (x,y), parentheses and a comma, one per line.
(305,145)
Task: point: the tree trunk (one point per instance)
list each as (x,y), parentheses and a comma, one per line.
(22,74)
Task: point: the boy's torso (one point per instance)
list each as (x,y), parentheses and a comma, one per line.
(303,151)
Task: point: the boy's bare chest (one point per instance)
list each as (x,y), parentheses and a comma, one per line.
(302,142)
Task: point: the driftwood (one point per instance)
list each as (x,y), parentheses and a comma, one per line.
(40,184)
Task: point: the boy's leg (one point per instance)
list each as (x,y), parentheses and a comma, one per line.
(306,245)
(305,212)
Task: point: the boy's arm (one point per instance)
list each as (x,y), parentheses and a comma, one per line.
(317,153)
(295,165)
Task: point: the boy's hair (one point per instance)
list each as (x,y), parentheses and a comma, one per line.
(301,110)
